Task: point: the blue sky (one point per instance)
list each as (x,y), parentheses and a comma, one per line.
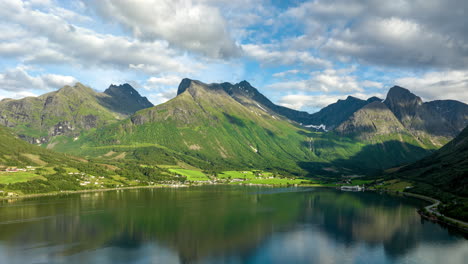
(301,54)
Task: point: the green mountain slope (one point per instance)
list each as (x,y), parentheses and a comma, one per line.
(442,175)
(431,123)
(445,170)
(68,111)
(17,152)
(220,126)
(329,117)
(204,126)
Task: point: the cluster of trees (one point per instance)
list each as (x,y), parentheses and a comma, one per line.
(60,179)
(145,173)
(457,209)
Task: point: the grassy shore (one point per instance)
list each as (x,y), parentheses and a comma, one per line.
(22,196)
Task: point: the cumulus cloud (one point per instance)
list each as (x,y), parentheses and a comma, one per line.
(302,101)
(51,39)
(19,80)
(329,80)
(285,73)
(161,88)
(438,85)
(392,33)
(163,80)
(16,95)
(162,96)
(273,55)
(191,25)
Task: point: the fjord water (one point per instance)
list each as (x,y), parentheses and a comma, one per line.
(224,224)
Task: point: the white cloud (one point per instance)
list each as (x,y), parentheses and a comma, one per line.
(162,81)
(302,101)
(19,80)
(162,97)
(272,55)
(161,88)
(438,85)
(16,95)
(191,25)
(370,84)
(39,2)
(402,33)
(285,73)
(330,80)
(51,39)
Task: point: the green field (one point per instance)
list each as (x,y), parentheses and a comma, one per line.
(192,175)
(275,181)
(394,185)
(13,177)
(244,174)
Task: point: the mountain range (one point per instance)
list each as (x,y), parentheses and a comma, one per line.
(231,126)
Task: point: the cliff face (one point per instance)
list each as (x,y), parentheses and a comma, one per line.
(444,118)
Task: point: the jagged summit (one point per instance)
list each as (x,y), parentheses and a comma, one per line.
(397,93)
(125,99)
(242,88)
(122,88)
(374,99)
(184,85)
(351,98)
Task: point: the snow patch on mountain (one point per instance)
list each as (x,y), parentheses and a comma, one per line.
(318,127)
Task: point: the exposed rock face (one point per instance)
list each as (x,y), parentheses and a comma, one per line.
(430,120)
(61,128)
(333,115)
(125,99)
(402,102)
(454,112)
(438,118)
(68,111)
(373,119)
(246,94)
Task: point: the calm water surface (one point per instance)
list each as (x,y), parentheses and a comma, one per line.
(223,224)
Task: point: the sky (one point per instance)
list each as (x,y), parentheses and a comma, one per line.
(301,54)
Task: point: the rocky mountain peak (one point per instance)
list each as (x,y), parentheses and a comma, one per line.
(352,98)
(184,85)
(245,84)
(125,88)
(403,103)
(400,94)
(125,99)
(374,99)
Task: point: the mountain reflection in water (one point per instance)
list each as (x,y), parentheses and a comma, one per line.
(226,224)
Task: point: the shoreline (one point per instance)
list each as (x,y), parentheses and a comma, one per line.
(91,191)
(141,187)
(427,213)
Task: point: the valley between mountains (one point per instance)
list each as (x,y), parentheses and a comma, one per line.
(77,139)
